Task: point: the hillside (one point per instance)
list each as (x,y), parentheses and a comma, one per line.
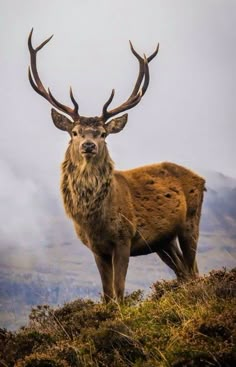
(191,324)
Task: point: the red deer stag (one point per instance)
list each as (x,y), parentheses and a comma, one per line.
(118,214)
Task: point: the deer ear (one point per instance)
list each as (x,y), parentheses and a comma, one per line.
(116,125)
(61,121)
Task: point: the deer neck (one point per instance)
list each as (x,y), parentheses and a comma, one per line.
(86,185)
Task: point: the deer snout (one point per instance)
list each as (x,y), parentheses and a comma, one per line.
(89,147)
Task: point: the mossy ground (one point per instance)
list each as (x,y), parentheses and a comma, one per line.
(190,324)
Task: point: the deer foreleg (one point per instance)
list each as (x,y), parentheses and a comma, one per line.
(104,264)
(120,259)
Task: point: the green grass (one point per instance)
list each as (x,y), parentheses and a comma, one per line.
(190,324)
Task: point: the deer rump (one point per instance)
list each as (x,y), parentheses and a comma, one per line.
(165,203)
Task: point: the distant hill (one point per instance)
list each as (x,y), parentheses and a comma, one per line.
(219,212)
(43,261)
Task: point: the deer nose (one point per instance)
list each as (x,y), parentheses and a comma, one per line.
(88,146)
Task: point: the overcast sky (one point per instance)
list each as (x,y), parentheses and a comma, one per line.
(187,115)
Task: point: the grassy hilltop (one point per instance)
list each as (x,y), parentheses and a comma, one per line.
(193,324)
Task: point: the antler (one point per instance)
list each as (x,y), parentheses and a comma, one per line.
(39,87)
(137,93)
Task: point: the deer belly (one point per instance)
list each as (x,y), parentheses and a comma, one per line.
(158,221)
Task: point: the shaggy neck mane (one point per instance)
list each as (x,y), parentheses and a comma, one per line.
(85,184)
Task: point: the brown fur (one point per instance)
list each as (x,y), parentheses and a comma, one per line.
(120,214)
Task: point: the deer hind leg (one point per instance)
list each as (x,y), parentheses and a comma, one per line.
(188,238)
(172,257)
(104,264)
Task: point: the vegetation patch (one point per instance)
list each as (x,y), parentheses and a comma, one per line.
(179,324)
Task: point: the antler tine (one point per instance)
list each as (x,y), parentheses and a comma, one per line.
(62,107)
(37,84)
(141,71)
(141,67)
(137,93)
(108,102)
(154,53)
(147,76)
(76,106)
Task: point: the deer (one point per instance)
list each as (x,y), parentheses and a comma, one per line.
(117,214)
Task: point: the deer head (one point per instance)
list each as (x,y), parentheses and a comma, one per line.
(88,133)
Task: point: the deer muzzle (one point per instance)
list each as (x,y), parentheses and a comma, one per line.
(89,148)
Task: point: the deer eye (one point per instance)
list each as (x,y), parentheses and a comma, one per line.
(74,133)
(103,135)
